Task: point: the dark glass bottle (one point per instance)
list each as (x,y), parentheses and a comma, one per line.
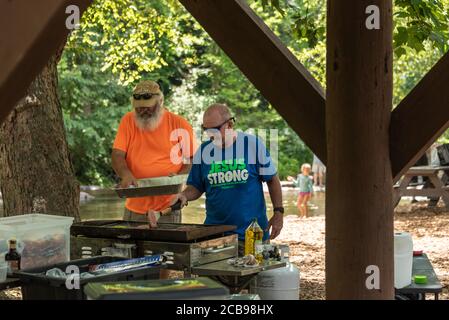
(13,257)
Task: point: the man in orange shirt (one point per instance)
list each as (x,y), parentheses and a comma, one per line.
(151,142)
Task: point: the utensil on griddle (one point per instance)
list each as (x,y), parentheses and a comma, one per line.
(153,217)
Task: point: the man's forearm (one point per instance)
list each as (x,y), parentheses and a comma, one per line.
(185,168)
(275,189)
(119,165)
(191,193)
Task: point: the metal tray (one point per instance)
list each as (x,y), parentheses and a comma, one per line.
(154,187)
(173,232)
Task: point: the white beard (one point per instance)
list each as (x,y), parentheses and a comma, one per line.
(149,124)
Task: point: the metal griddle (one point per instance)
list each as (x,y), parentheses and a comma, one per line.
(172,232)
(154,187)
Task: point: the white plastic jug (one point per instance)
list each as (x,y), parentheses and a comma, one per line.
(3,268)
(403,259)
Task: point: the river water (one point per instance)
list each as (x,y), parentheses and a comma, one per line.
(106,205)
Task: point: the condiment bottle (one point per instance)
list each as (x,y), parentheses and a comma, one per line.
(13,257)
(253,240)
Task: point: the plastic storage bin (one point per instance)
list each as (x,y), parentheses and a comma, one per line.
(37,286)
(41,239)
(3,268)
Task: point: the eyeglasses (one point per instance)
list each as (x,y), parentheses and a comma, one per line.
(144,96)
(217,127)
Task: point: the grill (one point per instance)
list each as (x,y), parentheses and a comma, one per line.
(192,245)
(120,229)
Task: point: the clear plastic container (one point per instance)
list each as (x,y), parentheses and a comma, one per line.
(42,239)
(3,268)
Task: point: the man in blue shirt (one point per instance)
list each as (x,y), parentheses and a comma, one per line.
(230,169)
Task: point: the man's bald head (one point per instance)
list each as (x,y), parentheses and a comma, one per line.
(216,114)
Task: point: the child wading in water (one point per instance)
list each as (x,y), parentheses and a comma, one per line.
(305,185)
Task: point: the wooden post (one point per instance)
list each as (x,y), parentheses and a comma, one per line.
(359,213)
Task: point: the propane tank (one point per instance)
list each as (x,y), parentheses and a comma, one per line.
(278,284)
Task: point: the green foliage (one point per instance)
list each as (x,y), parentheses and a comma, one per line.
(139,38)
(123,41)
(119,43)
(418,21)
(93,104)
(409,70)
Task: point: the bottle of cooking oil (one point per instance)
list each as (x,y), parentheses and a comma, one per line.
(253,240)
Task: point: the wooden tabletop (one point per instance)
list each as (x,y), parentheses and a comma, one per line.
(223,268)
(424,170)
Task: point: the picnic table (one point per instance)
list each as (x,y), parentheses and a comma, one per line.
(422,266)
(437,176)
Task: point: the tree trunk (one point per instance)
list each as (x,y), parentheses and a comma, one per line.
(359,212)
(36,174)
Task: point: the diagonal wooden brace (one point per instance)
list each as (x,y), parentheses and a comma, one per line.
(268,64)
(30,32)
(420,118)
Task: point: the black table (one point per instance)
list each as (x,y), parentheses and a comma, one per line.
(235,278)
(10,283)
(422,266)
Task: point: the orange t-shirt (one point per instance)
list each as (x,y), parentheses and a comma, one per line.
(155,153)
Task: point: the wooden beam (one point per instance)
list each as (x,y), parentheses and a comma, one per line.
(359,210)
(30,32)
(268,64)
(420,119)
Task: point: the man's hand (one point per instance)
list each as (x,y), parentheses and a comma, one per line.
(276,223)
(181,197)
(153,217)
(128,180)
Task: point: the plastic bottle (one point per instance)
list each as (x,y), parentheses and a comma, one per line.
(253,240)
(13,257)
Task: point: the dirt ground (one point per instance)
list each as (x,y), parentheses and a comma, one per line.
(429,228)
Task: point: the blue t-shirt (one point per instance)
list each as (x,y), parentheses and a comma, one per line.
(232,180)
